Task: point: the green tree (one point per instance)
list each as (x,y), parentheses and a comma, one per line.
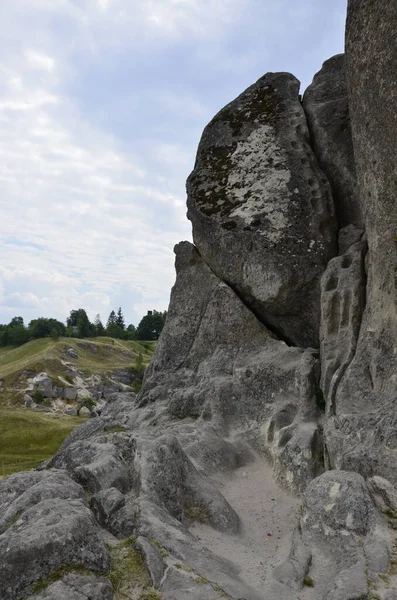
(80,321)
(130,333)
(120,319)
(42,327)
(151,326)
(99,328)
(112,319)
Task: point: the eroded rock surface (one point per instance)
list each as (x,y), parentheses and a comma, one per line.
(362,435)
(262,210)
(326,106)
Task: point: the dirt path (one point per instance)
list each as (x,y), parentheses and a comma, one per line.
(264,508)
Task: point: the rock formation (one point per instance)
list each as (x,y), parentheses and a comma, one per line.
(262,210)
(326,106)
(151,499)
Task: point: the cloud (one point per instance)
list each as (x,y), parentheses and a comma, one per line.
(102,103)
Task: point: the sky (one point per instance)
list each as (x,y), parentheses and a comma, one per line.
(102,104)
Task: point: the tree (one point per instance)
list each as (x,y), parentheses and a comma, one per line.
(99,328)
(151,326)
(112,319)
(42,327)
(130,333)
(79,319)
(120,319)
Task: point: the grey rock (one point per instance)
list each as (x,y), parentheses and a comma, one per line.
(293,571)
(384,493)
(362,434)
(348,236)
(71,412)
(156,523)
(84,412)
(216,361)
(21,491)
(115,511)
(111,388)
(99,463)
(262,210)
(52,534)
(29,402)
(170,479)
(152,558)
(43,383)
(70,393)
(341,522)
(342,306)
(179,586)
(77,587)
(71,352)
(327,109)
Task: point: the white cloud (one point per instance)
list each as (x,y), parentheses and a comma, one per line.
(39,60)
(99,132)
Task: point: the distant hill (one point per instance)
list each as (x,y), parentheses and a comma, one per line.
(65,358)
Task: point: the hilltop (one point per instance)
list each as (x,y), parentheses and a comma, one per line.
(66,359)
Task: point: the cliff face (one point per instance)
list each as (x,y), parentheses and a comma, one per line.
(277,363)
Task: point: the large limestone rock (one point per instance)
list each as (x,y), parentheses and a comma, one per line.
(262,210)
(362,435)
(327,109)
(215,360)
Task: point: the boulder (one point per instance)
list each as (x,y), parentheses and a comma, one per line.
(326,105)
(262,210)
(43,383)
(84,412)
(52,534)
(70,393)
(71,352)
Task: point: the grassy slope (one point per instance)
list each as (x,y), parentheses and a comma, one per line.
(46,354)
(27,437)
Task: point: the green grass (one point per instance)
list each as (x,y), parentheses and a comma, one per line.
(27,438)
(46,354)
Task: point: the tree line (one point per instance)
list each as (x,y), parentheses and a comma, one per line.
(78,325)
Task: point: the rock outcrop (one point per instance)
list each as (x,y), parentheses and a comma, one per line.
(326,106)
(148,499)
(262,210)
(362,434)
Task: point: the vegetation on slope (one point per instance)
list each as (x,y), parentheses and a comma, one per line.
(27,438)
(100,356)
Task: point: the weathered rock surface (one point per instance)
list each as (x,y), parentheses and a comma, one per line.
(362,435)
(342,306)
(216,361)
(77,587)
(262,210)
(327,109)
(53,533)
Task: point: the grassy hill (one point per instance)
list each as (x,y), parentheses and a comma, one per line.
(99,356)
(27,437)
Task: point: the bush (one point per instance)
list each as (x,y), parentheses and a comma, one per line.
(38,396)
